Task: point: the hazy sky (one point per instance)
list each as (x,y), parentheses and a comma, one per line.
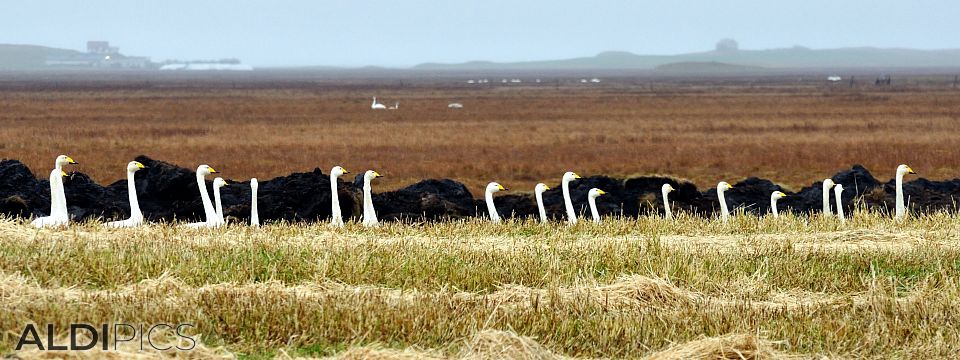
(407,32)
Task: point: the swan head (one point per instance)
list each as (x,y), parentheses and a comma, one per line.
(838,189)
(219,182)
(205,170)
(338,171)
(904,169)
(135,166)
(667,188)
(540,188)
(828,183)
(778,195)
(595,193)
(64,160)
(254,184)
(724,186)
(370,175)
(495,187)
(570,176)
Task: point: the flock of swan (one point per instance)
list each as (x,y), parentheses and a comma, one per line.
(213,210)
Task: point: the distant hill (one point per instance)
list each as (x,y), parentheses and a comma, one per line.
(795,57)
(707,67)
(28,57)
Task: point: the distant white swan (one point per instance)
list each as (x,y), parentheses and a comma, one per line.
(369,213)
(665,190)
(59,216)
(254,213)
(136,216)
(901,210)
(491,208)
(376,105)
(592,199)
(209,213)
(567,202)
(776,195)
(836,191)
(722,187)
(217,184)
(395,106)
(827,184)
(538,192)
(336,218)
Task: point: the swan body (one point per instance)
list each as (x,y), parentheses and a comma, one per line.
(538,192)
(592,200)
(59,216)
(776,195)
(369,213)
(376,105)
(136,216)
(336,216)
(567,202)
(665,190)
(491,208)
(217,184)
(254,213)
(836,191)
(827,184)
(722,187)
(209,213)
(901,209)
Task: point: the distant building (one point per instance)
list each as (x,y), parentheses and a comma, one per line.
(101,47)
(99,55)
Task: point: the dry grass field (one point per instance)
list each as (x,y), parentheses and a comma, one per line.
(646,288)
(516,135)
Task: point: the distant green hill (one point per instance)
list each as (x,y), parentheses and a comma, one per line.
(27,57)
(795,57)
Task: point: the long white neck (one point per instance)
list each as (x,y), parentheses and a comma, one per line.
(773,206)
(209,213)
(369,213)
(254,213)
(839,205)
(593,209)
(216,195)
(58,203)
(724,213)
(541,208)
(494,216)
(826,199)
(337,217)
(568,203)
(132,194)
(901,208)
(666,205)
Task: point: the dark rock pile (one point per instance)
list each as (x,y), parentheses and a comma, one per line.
(168,193)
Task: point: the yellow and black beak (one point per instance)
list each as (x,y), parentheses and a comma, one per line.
(546,187)
(70,161)
(601,192)
(501,187)
(213,171)
(576,176)
(345,171)
(910,171)
(139,165)
(376,174)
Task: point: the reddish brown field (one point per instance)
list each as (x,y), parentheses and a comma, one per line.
(516,135)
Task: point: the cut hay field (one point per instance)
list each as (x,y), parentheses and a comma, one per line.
(760,288)
(703,130)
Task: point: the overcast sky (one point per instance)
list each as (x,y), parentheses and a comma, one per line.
(407,32)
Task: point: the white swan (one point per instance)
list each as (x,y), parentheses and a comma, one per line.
(369,213)
(395,106)
(721,188)
(336,218)
(217,184)
(538,192)
(665,190)
(376,105)
(776,195)
(209,213)
(59,216)
(136,216)
(567,202)
(254,213)
(56,194)
(901,209)
(827,184)
(836,191)
(491,208)
(592,199)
